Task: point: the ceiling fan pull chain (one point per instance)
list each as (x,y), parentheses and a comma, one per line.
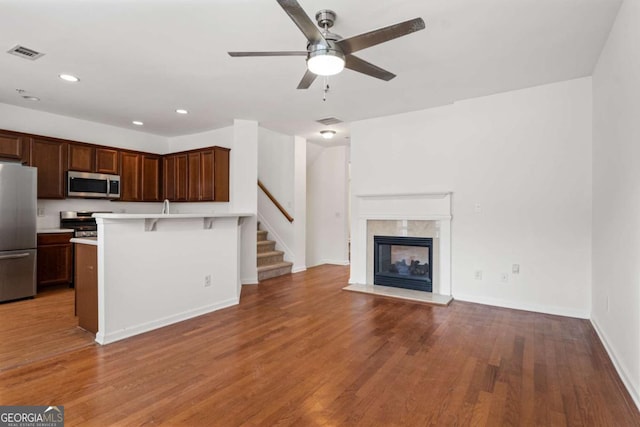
(326,88)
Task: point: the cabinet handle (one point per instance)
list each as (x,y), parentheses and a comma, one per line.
(14,256)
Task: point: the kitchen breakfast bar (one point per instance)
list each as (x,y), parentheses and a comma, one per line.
(157,269)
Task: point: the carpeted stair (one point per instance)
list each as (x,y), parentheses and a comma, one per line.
(270,261)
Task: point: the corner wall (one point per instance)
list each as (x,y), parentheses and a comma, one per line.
(616,196)
(519,167)
(327,205)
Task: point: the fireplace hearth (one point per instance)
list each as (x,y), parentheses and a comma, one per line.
(403,262)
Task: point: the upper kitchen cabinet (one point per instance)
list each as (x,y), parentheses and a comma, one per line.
(214,174)
(130,177)
(81,157)
(12,146)
(50,157)
(107,161)
(140,175)
(175,177)
(151,166)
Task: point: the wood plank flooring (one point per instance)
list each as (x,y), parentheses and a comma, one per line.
(300,351)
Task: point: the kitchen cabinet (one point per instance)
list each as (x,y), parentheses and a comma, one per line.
(151,191)
(54,258)
(50,157)
(175,177)
(81,157)
(86,284)
(130,190)
(107,161)
(208,175)
(11,146)
(193,177)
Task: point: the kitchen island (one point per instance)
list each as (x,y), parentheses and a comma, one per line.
(157,269)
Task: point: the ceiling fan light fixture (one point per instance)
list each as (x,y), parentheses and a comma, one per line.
(325,62)
(328,134)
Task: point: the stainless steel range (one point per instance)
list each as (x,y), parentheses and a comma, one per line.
(82,222)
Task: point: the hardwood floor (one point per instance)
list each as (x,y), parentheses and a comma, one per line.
(300,351)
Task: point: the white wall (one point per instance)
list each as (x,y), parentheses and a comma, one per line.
(276,170)
(53,125)
(300,205)
(524,157)
(616,196)
(327,205)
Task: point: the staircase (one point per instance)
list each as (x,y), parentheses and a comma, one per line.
(270,262)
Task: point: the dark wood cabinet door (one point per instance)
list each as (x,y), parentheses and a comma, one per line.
(206,175)
(169,177)
(182,178)
(130,177)
(193,168)
(50,157)
(81,157)
(221,174)
(151,178)
(86,282)
(55,263)
(107,161)
(11,146)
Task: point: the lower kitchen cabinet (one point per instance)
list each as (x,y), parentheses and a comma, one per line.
(86,281)
(55,259)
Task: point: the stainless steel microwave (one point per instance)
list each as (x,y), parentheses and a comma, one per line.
(93,185)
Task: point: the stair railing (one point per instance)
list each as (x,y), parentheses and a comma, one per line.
(275,202)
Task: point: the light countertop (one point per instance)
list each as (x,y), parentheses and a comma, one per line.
(85,240)
(54,230)
(172,216)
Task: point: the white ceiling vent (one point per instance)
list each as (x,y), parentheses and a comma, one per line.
(329,121)
(25,52)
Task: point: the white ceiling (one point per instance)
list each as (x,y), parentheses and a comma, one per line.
(142,59)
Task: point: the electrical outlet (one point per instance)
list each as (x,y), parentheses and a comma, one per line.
(478,275)
(504,277)
(477,208)
(40,211)
(207,280)
(515,269)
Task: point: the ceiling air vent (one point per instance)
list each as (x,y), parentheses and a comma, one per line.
(25,52)
(329,121)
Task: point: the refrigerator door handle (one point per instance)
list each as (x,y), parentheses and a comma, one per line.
(14,256)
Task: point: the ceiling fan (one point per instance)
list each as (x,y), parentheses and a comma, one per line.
(327,53)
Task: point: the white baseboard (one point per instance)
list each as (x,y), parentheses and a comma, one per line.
(334,261)
(298,269)
(558,311)
(130,331)
(624,376)
(249,280)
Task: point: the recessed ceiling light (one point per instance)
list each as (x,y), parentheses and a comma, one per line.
(31,98)
(137,123)
(69,78)
(327,134)
(181,111)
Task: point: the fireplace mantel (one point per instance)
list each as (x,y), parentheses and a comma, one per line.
(426,206)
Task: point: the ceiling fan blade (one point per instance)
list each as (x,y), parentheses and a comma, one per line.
(381,35)
(275,53)
(306,81)
(360,65)
(302,20)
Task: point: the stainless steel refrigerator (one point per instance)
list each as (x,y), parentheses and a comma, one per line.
(18,188)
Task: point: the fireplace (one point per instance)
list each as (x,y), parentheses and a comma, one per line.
(403,262)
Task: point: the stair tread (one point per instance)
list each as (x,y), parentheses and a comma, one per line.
(270,253)
(266,242)
(274,266)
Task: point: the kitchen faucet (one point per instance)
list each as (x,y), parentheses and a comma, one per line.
(165,207)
